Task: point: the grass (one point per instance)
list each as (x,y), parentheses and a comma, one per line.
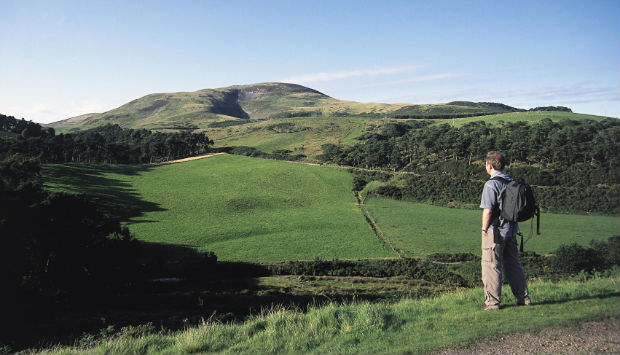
(243,209)
(408,326)
(307,136)
(420,229)
(246,209)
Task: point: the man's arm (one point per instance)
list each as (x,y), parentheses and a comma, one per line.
(486,218)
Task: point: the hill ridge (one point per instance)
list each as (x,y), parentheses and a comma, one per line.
(261,101)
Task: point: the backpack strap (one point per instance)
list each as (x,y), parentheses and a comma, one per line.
(496,213)
(499,178)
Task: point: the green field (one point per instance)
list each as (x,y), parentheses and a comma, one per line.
(419,229)
(240,208)
(257,210)
(248,209)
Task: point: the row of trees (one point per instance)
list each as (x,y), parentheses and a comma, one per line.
(547,144)
(60,251)
(105,144)
(574,165)
(54,247)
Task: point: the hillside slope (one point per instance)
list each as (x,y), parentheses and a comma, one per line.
(237,104)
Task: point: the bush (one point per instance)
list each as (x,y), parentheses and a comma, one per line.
(452,258)
(608,252)
(569,259)
(410,268)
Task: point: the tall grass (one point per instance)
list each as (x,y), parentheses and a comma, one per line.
(420,229)
(408,326)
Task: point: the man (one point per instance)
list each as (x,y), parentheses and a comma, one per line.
(499,245)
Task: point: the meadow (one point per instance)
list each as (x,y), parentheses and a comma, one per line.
(243,209)
(258,210)
(420,229)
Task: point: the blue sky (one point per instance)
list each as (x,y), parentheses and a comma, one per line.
(59,59)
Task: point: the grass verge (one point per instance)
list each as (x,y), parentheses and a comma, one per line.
(408,326)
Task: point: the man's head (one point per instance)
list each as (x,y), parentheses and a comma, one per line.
(495,160)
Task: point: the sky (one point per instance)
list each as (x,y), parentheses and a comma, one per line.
(60,59)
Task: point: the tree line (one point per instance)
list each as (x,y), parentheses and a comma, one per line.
(573,165)
(60,250)
(104,144)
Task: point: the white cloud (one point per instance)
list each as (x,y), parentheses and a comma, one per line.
(574,93)
(46,112)
(418,79)
(319,77)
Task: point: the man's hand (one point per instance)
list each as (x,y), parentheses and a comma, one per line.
(486,219)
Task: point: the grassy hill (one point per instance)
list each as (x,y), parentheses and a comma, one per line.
(201,109)
(240,208)
(301,135)
(240,104)
(280,116)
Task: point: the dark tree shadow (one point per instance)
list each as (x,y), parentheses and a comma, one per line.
(117,198)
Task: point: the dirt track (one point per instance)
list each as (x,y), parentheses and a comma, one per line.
(589,338)
(190,158)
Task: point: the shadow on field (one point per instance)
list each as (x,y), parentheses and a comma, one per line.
(571,299)
(172,287)
(117,198)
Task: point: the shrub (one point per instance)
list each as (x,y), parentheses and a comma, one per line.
(569,259)
(609,252)
(452,258)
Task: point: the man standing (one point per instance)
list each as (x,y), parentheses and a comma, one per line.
(499,245)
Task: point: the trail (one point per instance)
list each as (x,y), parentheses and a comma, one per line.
(375,226)
(598,337)
(208,155)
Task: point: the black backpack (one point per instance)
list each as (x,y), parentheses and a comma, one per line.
(518,203)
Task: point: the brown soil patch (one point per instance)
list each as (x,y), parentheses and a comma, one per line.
(601,337)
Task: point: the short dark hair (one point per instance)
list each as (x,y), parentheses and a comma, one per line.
(497,160)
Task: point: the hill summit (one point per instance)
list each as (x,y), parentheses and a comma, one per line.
(263,101)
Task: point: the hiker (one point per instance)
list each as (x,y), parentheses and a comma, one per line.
(499,244)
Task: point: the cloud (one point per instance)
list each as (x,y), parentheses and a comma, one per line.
(320,77)
(578,91)
(418,79)
(47,112)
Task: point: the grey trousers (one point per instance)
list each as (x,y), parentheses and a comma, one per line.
(497,254)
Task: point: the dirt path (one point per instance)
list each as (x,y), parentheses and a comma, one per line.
(190,158)
(588,338)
